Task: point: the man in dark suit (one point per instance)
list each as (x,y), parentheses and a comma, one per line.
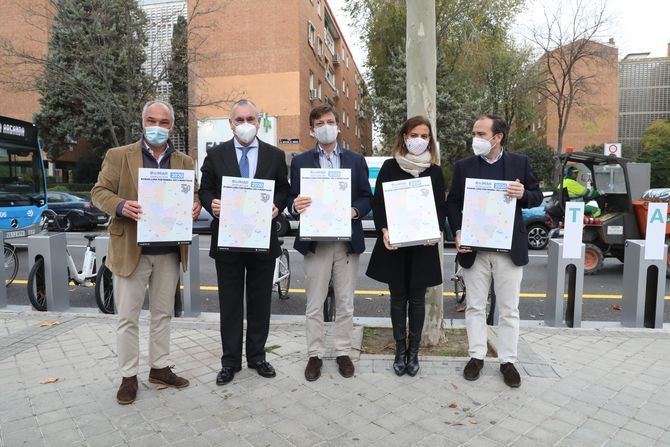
(326,258)
(479,268)
(243,156)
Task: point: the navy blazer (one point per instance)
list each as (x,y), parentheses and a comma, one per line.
(361,194)
(515,166)
(222,160)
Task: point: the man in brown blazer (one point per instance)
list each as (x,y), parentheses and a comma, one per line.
(136,267)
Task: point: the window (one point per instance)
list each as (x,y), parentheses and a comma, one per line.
(356,105)
(346,60)
(344,117)
(346,90)
(330,76)
(330,42)
(319,47)
(319,89)
(318,7)
(311,31)
(344,86)
(311,81)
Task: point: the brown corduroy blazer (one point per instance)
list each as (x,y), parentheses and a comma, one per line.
(117,181)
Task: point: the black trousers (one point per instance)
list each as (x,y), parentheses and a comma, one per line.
(231,278)
(407,301)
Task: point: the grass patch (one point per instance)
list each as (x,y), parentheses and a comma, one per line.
(378,340)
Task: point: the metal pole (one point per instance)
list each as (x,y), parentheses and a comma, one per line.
(421,57)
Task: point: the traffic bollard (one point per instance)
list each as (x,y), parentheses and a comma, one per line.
(51,247)
(643,287)
(191,280)
(558,268)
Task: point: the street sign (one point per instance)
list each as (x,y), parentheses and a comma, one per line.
(574,226)
(656,224)
(613,149)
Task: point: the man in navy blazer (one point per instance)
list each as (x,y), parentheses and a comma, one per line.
(491,161)
(326,258)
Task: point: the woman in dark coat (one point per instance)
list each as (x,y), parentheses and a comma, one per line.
(408,271)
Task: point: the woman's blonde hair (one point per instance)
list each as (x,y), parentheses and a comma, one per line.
(399,147)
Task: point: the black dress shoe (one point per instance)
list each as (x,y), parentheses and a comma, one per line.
(263,368)
(510,375)
(225,375)
(472,369)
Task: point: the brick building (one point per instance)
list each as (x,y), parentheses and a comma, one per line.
(287,56)
(593,119)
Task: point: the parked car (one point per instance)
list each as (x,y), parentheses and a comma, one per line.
(74,211)
(538,224)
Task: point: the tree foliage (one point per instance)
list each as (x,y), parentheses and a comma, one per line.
(479,69)
(659,157)
(541,157)
(93,85)
(178,76)
(656,134)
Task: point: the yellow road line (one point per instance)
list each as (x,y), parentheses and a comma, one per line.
(586,296)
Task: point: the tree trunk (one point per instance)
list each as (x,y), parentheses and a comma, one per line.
(421,100)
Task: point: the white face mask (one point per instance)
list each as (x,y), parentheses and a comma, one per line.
(481,147)
(416,146)
(326,134)
(245,132)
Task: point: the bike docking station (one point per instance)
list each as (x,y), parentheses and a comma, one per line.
(190,292)
(3,291)
(566,260)
(52,248)
(644,270)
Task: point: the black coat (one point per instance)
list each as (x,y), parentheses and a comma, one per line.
(515,166)
(222,160)
(415,266)
(360,194)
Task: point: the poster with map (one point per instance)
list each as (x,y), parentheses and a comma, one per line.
(166,198)
(488,215)
(328,218)
(246,214)
(410,212)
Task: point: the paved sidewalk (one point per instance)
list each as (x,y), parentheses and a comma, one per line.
(580,388)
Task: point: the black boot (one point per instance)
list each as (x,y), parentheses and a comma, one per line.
(399,320)
(412,359)
(399,362)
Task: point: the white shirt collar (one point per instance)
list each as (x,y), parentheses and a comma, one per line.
(497,158)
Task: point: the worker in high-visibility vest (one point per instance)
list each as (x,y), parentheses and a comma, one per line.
(578,192)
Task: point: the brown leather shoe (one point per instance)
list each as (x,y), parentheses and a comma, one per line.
(472,369)
(345,366)
(127,391)
(313,369)
(165,376)
(510,375)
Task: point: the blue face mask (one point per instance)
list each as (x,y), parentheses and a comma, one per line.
(156,135)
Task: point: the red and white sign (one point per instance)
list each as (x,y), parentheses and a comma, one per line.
(613,149)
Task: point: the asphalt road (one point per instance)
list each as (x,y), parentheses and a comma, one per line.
(602,291)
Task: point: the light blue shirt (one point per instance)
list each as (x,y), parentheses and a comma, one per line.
(332,162)
(252,155)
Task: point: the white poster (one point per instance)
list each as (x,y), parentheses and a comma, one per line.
(656,224)
(410,212)
(245,220)
(574,226)
(166,198)
(488,215)
(328,218)
(612,149)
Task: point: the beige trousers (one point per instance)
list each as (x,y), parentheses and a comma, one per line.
(330,258)
(507,283)
(160,273)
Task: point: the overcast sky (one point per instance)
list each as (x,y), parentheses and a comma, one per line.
(637,26)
